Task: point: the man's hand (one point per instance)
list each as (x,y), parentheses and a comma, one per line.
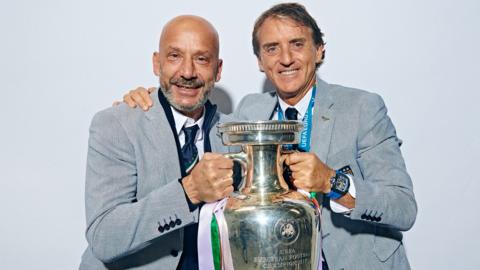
(210,180)
(138,97)
(308,172)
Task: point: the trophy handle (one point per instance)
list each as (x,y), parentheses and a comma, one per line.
(241,158)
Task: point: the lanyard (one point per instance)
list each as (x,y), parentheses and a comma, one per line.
(305,136)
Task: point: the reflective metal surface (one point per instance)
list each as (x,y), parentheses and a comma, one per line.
(270,226)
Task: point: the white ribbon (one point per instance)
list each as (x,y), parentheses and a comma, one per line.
(204,244)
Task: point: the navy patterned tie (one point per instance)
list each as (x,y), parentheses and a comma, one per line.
(291,113)
(189,150)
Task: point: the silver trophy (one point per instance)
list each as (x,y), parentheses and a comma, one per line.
(270,226)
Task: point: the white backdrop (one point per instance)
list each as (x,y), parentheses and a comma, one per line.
(61,61)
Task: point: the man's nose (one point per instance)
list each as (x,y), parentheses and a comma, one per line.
(188,69)
(286,58)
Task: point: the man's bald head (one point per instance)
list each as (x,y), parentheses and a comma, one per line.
(191,24)
(188,63)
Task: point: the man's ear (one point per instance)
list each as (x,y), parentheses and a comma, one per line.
(260,65)
(319,54)
(156,63)
(218,74)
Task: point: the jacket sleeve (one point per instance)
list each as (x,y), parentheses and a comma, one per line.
(119,223)
(384,188)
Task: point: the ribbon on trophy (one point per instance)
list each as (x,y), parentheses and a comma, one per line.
(213,243)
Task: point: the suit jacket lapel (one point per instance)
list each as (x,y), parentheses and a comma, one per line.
(323,121)
(268,108)
(160,132)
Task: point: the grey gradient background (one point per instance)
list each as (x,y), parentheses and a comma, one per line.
(61,61)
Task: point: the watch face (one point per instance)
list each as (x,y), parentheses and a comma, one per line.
(342,183)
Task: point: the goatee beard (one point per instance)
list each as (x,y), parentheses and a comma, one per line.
(167,92)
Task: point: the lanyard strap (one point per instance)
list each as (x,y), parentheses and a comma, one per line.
(305,136)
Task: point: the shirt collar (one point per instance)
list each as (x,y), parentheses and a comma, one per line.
(182,120)
(301,106)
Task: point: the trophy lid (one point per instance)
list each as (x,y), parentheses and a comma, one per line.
(260,132)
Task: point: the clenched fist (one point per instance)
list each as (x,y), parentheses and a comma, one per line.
(309,172)
(210,180)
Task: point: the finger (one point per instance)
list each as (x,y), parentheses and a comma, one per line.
(297,183)
(298,167)
(225,174)
(138,98)
(146,98)
(130,102)
(140,88)
(283,158)
(219,175)
(228,190)
(303,178)
(299,176)
(222,183)
(295,157)
(212,156)
(302,185)
(224,163)
(151,89)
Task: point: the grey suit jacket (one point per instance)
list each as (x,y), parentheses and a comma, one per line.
(351,127)
(132,187)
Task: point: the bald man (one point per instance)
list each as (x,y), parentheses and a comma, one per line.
(148,172)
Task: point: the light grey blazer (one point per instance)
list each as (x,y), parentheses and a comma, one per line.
(351,127)
(132,187)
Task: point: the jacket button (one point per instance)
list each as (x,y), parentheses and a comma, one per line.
(363,216)
(167,227)
(178,221)
(160,228)
(377,219)
(174,253)
(171,224)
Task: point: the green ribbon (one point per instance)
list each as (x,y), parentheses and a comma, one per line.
(216,248)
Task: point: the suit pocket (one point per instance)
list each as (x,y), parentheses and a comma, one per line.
(386,242)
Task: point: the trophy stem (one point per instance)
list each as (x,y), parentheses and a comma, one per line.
(264,177)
